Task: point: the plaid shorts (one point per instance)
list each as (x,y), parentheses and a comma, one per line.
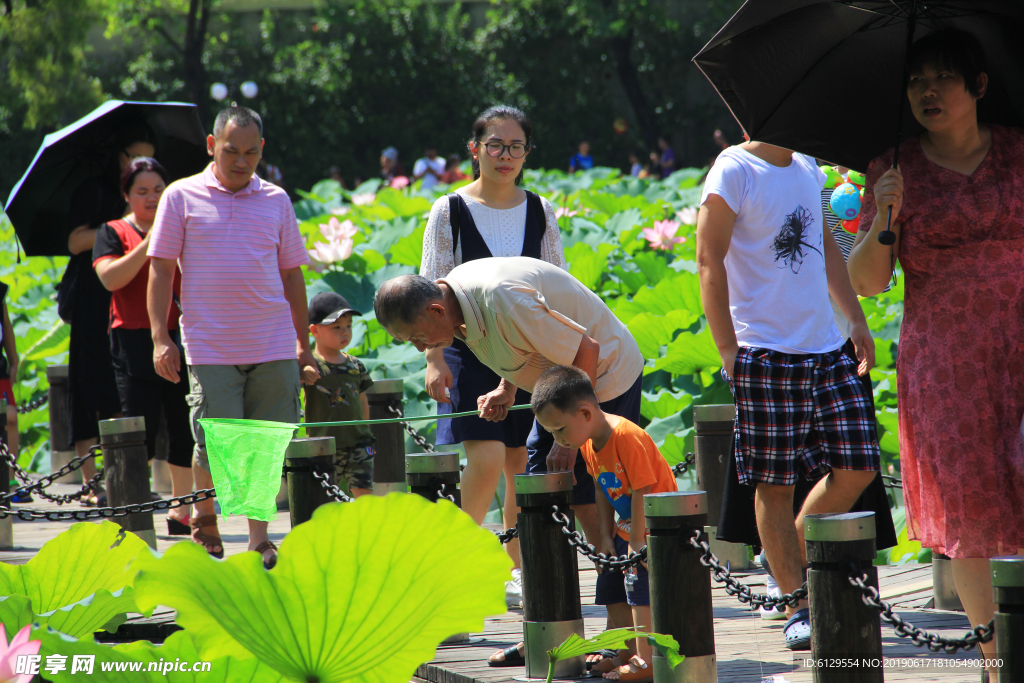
(356,466)
(799,412)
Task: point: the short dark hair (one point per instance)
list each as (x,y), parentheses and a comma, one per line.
(953,50)
(135,133)
(563,387)
(403,298)
(501,112)
(141,165)
(242,116)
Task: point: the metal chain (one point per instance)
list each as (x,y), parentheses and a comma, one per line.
(442,494)
(420,440)
(892,482)
(732,586)
(588,550)
(681,467)
(88,487)
(43,482)
(333,491)
(106,513)
(507,535)
(904,629)
(34,404)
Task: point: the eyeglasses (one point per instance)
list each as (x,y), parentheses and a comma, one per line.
(516,150)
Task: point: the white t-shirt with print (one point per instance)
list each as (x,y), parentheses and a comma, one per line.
(778,289)
(421,165)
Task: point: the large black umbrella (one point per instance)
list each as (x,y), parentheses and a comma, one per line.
(39,206)
(825,77)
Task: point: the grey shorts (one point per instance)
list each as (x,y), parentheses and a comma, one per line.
(261,391)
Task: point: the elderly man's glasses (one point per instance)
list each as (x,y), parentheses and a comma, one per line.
(516,150)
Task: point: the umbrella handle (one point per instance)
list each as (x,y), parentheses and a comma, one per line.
(887,236)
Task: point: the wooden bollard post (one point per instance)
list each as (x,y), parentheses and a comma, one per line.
(712,444)
(7,523)
(389,459)
(60,435)
(427,473)
(944,592)
(680,586)
(1008,594)
(551,581)
(305,492)
(842,626)
(126,470)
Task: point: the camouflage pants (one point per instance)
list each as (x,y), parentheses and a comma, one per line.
(356,466)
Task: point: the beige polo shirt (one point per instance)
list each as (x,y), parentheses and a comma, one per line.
(524,315)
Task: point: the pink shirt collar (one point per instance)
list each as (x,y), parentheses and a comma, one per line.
(210,178)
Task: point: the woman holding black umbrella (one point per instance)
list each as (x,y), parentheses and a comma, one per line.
(85,304)
(957,205)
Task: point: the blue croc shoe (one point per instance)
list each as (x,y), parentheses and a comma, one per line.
(23,496)
(798,630)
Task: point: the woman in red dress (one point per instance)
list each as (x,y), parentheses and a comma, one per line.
(958,214)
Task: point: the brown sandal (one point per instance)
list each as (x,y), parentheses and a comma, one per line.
(264,547)
(206,540)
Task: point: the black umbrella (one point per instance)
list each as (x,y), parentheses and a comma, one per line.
(39,206)
(825,77)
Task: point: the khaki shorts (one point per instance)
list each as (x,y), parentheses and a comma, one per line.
(356,466)
(261,391)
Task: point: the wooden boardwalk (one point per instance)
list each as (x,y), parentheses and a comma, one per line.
(748,648)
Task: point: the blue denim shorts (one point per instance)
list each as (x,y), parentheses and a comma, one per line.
(614,587)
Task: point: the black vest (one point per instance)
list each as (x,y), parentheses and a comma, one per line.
(473,245)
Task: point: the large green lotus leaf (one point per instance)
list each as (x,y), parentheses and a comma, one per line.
(408,251)
(651,332)
(129,663)
(680,291)
(587,264)
(402,204)
(77,619)
(664,404)
(79,562)
(363,591)
(690,353)
(653,265)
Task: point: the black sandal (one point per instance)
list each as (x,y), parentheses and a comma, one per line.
(176,528)
(605,655)
(512,657)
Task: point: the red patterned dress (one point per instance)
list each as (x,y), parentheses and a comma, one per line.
(960,367)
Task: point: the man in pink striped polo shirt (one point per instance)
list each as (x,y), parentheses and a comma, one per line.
(243,299)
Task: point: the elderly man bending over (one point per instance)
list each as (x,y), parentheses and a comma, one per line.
(520,316)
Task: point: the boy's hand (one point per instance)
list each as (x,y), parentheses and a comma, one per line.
(607,546)
(310,374)
(561,459)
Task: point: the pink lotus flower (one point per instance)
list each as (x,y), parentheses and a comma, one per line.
(340,210)
(333,251)
(364,198)
(562,211)
(334,230)
(663,235)
(399,181)
(687,216)
(19,645)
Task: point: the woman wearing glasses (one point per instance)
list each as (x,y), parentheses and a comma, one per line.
(490,217)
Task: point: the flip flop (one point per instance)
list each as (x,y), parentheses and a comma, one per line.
(512,657)
(606,663)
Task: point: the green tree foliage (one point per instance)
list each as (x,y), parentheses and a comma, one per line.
(43,44)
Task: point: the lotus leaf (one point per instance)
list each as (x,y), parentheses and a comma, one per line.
(680,291)
(177,647)
(408,251)
(587,264)
(76,579)
(363,591)
(651,332)
(690,353)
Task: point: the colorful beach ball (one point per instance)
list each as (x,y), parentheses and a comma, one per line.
(845,201)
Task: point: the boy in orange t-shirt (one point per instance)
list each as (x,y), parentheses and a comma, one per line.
(625,465)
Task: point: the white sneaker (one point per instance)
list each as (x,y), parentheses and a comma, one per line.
(773,613)
(514,590)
